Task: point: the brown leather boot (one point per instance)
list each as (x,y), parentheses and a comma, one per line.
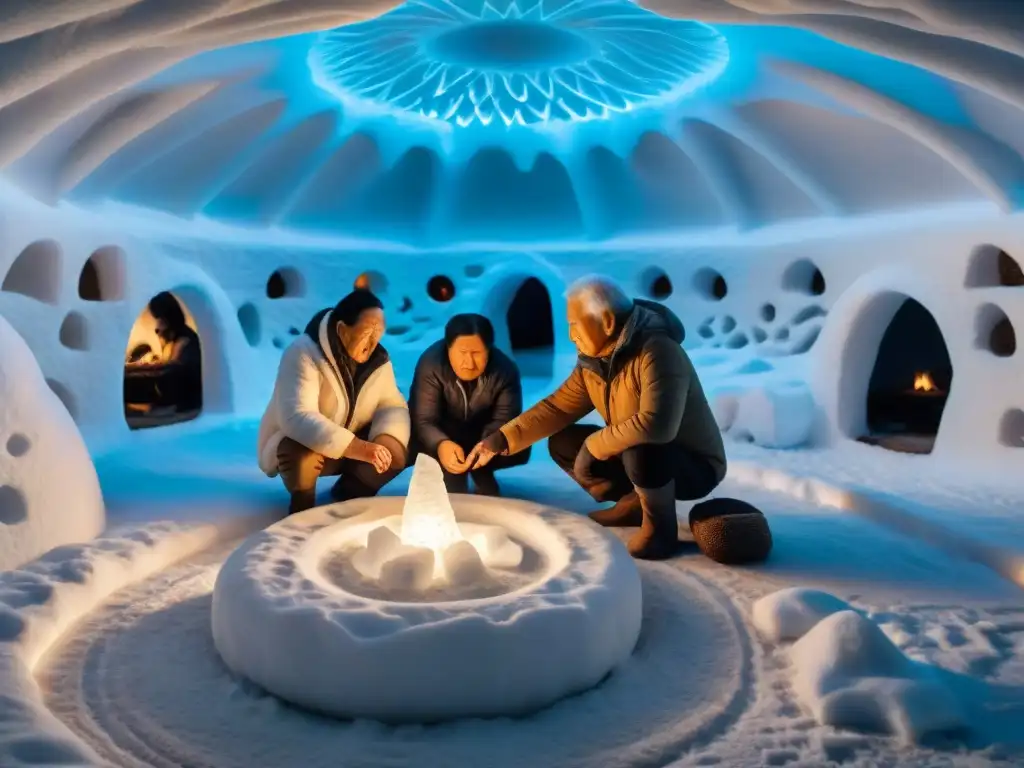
(625,514)
(658,538)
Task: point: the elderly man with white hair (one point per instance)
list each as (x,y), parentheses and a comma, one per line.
(660,443)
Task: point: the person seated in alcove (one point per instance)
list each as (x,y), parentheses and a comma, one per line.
(172,379)
(463,390)
(660,443)
(336,408)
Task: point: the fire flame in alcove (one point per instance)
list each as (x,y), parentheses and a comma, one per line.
(923,382)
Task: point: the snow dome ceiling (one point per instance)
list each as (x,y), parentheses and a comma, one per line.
(444,120)
(545,66)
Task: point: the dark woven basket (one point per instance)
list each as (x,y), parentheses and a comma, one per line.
(730,531)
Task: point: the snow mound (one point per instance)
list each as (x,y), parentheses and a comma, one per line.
(774,417)
(49,491)
(290,616)
(791,613)
(850,675)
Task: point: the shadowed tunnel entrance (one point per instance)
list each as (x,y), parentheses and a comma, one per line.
(531,329)
(909,383)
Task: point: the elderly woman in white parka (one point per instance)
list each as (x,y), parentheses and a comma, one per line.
(336,408)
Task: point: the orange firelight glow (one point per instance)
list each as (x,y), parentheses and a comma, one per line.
(923,382)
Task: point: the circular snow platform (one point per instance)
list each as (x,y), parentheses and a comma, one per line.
(140,682)
(295,613)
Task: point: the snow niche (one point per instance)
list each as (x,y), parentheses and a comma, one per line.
(428,608)
(49,492)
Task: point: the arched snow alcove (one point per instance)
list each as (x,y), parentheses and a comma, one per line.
(217,393)
(885,375)
(910,382)
(160,389)
(527,308)
(531,329)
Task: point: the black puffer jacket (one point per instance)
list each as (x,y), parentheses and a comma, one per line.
(445,408)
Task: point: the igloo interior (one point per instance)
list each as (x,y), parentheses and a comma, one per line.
(826,193)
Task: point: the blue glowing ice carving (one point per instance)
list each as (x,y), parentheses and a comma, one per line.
(465,63)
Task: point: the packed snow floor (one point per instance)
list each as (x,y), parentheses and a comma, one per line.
(140,681)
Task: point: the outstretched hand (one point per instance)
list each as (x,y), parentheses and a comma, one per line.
(452,457)
(484,451)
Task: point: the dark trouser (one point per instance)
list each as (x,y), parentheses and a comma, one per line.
(644,466)
(466,439)
(167,385)
(300,468)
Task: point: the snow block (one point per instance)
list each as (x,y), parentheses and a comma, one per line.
(780,417)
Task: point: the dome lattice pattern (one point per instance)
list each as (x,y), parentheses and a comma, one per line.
(549,63)
(207,108)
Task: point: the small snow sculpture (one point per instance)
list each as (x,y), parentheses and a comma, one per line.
(428,519)
(789,614)
(425,547)
(850,675)
(775,417)
(49,491)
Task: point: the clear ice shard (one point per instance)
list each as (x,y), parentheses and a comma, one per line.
(428,519)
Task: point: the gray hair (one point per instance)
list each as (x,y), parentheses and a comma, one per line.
(599,294)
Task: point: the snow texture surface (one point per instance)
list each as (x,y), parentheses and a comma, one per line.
(125,676)
(790,613)
(773,417)
(49,491)
(246,136)
(850,675)
(42,600)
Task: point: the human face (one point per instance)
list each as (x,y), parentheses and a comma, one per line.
(468,356)
(163,331)
(362,337)
(592,334)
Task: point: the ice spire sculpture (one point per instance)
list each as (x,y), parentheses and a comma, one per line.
(428,519)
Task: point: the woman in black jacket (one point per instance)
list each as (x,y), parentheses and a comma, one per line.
(463,390)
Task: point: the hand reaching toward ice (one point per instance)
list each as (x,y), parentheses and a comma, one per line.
(452,457)
(369,453)
(486,450)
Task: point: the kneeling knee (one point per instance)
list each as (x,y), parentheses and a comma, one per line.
(299,466)
(295,452)
(644,464)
